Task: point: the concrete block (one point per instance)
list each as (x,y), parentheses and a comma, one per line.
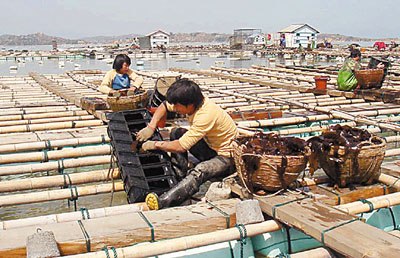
(42,244)
(248,212)
(218,191)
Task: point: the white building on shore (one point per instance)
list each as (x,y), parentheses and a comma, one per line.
(297,34)
(156,39)
(159,38)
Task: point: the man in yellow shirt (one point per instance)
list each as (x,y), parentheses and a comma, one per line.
(208,139)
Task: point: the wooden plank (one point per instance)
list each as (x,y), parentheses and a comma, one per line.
(13,138)
(391,168)
(328,195)
(355,239)
(126,229)
(49,135)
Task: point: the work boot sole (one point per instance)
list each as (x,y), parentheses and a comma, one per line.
(152,201)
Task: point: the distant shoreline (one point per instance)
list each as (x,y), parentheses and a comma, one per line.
(175,38)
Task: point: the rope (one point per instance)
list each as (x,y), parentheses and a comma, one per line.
(83,211)
(285,203)
(45,156)
(334,227)
(66,185)
(47,145)
(370,204)
(60,166)
(106,248)
(73,198)
(287,229)
(384,189)
(110,175)
(86,235)
(243,236)
(231,249)
(149,224)
(226,215)
(395,225)
(394,183)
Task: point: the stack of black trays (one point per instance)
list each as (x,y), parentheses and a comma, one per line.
(141,172)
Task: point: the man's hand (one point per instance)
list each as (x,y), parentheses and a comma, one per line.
(149,145)
(380,66)
(144,134)
(112,92)
(131,91)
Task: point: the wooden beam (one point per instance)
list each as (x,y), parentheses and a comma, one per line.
(126,229)
(330,196)
(333,227)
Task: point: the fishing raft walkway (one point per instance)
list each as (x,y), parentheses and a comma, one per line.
(43,132)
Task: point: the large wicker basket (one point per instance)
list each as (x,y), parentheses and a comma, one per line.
(360,166)
(268,172)
(371,78)
(121,103)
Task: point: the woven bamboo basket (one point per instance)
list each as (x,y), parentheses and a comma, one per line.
(360,166)
(121,103)
(371,78)
(267,172)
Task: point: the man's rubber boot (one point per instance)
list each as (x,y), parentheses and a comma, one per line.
(180,164)
(176,195)
(152,201)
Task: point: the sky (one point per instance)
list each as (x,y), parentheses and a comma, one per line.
(85,18)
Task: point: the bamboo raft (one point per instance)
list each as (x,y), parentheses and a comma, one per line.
(45,137)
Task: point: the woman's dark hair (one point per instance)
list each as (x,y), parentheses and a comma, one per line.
(185,92)
(119,60)
(355,53)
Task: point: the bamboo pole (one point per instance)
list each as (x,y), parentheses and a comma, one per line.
(188,242)
(44,115)
(52,195)
(392,138)
(45,120)
(392,152)
(283,121)
(37,110)
(264,68)
(32,104)
(56,154)
(52,144)
(73,216)
(308,129)
(29,99)
(377,203)
(390,180)
(56,181)
(49,126)
(329,111)
(54,165)
(102,129)
(269,75)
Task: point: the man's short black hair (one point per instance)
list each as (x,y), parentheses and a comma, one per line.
(185,92)
(119,60)
(355,53)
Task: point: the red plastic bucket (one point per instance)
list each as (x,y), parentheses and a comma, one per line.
(162,122)
(321,82)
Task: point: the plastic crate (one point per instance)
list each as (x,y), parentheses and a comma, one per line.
(141,172)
